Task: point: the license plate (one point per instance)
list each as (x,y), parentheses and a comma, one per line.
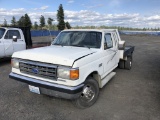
(34,89)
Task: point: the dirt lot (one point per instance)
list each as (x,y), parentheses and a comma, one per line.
(130,95)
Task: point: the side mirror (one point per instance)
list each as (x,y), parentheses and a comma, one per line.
(15,38)
(105,46)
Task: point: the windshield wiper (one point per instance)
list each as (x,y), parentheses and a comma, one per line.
(86,46)
(81,46)
(58,44)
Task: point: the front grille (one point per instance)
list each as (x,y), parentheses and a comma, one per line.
(39,69)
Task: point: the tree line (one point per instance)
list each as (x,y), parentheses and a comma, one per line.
(117,27)
(25,21)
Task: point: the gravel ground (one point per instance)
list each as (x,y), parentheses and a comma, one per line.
(130,95)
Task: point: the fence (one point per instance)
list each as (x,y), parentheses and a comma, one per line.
(157,33)
(38,33)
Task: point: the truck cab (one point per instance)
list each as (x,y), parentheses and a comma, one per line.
(76,65)
(11,40)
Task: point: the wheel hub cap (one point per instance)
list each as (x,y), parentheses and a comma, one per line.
(130,63)
(88,93)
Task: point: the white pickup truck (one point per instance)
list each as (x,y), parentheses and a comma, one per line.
(75,66)
(13,40)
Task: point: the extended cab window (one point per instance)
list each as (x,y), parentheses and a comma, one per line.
(11,33)
(79,39)
(108,40)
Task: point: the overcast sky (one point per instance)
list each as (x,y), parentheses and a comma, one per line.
(127,13)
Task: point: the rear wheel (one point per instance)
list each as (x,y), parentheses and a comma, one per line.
(121,64)
(128,63)
(89,94)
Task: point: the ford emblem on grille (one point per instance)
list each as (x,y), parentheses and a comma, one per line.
(35,71)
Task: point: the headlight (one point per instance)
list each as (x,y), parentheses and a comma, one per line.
(63,72)
(68,73)
(15,63)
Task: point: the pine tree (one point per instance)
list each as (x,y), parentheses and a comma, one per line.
(5,22)
(68,25)
(49,21)
(13,21)
(42,21)
(27,21)
(60,18)
(21,22)
(35,25)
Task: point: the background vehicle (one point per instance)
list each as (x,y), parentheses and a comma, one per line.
(75,66)
(13,40)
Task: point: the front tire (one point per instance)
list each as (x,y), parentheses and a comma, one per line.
(89,94)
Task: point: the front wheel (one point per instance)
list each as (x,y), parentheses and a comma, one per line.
(89,94)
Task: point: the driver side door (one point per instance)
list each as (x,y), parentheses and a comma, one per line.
(108,53)
(8,43)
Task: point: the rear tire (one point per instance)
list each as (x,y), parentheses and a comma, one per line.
(128,63)
(121,64)
(89,94)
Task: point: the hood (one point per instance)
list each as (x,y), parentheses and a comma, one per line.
(65,55)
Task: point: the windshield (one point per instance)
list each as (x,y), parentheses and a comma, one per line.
(2,31)
(79,39)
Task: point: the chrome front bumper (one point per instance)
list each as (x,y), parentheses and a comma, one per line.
(51,89)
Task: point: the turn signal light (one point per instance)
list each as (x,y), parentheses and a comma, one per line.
(74,74)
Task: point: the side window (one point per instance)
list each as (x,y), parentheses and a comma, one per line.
(108,40)
(11,33)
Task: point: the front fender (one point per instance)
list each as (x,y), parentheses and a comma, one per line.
(87,69)
(88,65)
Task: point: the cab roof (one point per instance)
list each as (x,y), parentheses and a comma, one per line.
(96,30)
(10,28)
